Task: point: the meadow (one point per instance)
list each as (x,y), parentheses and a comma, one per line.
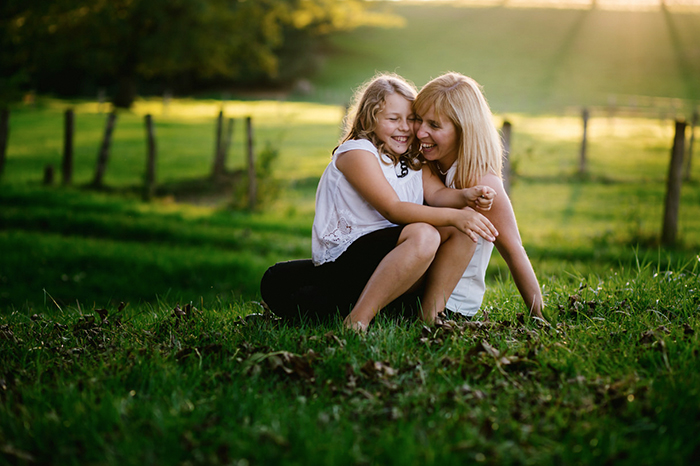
(131,333)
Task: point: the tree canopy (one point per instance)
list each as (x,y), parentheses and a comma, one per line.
(72,46)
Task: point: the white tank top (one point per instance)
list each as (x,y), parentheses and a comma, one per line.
(342,215)
(469,292)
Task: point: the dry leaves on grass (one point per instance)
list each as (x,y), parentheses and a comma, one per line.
(282,362)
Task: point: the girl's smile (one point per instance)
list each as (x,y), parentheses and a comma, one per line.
(394,124)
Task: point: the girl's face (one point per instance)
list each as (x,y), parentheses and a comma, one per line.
(438,138)
(395,124)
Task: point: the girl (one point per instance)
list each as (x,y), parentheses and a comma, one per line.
(455,129)
(373,239)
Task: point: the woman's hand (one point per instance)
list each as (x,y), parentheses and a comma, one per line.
(480,197)
(473,224)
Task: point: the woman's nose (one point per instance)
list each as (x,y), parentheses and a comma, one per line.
(420,132)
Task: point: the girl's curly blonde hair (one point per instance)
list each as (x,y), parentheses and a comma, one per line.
(368,100)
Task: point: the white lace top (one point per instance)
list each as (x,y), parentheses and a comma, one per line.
(469,292)
(342,215)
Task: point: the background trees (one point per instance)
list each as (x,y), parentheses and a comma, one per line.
(75,46)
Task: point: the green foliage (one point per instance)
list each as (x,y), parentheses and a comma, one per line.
(614,379)
(70,45)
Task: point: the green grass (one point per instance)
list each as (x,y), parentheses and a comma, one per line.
(527,59)
(68,245)
(614,379)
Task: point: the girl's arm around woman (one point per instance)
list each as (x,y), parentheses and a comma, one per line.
(362,170)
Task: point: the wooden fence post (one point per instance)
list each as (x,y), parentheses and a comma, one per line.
(689,155)
(67,166)
(584,142)
(673,187)
(506,131)
(217,169)
(48,175)
(150,179)
(101,95)
(4,136)
(223,144)
(252,182)
(227,141)
(103,156)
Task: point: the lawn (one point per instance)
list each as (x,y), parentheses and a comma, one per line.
(126,331)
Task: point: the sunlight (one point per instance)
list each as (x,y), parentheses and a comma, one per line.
(620,5)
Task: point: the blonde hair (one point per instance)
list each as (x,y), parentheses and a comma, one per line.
(480,148)
(368,100)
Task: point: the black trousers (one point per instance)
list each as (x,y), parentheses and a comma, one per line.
(297,289)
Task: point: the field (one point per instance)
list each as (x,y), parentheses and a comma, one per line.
(528,59)
(181,373)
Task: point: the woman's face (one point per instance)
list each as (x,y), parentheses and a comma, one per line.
(395,125)
(438,138)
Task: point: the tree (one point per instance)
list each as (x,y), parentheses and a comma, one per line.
(66,45)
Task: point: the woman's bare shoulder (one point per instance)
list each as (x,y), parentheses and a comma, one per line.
(492,181)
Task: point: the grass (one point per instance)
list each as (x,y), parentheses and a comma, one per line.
(528,59)
(83,381)
(87,380)
(615,374)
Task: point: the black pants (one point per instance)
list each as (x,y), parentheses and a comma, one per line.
(299,290)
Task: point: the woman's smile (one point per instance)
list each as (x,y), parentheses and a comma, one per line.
(438,138)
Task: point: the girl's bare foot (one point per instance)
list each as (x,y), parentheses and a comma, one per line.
(358,326)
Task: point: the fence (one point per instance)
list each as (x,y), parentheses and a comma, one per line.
(219,172)
(679,167)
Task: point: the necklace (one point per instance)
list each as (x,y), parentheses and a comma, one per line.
(443,173)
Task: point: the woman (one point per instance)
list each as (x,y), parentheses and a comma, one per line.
(454,126)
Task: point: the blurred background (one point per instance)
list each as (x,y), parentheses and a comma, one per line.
(632,67)
(528,55)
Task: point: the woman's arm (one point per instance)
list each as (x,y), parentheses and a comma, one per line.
(510,247)
(362,170)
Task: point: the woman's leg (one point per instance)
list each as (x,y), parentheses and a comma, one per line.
(451,260)
(400,270)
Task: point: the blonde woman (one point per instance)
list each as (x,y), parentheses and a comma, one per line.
(373,240)
(455,129)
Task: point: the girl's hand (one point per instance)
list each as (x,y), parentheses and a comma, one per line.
(474,225)
(481,197)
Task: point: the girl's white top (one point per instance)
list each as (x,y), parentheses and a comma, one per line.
(469,292)
(342,214)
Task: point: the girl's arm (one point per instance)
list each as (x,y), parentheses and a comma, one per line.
(510,247)
(362,170)
(437,195)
